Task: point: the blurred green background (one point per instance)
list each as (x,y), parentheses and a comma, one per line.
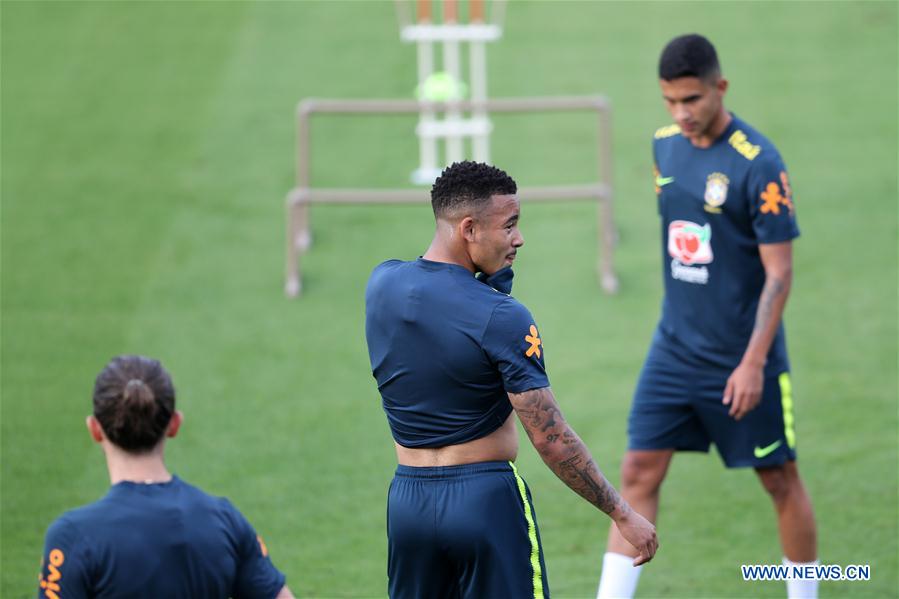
(146,151)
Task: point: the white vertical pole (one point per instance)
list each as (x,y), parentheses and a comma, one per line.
(451,64)
(477,70)
(427,142)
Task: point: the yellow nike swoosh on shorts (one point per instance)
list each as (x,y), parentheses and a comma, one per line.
(761,452)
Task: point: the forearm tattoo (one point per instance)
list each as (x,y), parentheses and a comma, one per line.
(563,451)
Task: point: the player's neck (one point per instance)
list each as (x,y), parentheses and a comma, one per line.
(139,468)
(442,249)
(716,128)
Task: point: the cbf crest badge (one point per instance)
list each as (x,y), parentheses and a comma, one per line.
(716,192)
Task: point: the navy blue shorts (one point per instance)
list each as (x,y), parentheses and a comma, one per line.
(463,531)
(678,406)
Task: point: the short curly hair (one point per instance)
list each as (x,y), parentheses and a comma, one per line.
(468,184)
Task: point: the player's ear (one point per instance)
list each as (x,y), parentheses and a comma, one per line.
(94,428)
(467,229)
(721,85)
(174,424)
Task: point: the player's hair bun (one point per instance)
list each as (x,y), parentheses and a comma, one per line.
(137,391)
(134,400)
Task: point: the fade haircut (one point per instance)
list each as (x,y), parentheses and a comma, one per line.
(134,400)
(468,184)
(689,55)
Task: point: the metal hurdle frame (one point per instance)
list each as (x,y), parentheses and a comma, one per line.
(303,195)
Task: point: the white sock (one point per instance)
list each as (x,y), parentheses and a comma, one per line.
(619,577)
(801,589)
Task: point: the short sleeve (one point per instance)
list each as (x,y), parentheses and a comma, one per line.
(65,564)
(513,343)
(257,576)
(771,201)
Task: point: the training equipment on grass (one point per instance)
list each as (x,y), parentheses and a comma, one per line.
(464,109)
(448,84)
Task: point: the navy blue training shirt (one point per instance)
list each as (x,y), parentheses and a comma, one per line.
(445,348)
(717,205)
(156,540)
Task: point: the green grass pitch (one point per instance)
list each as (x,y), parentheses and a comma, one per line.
(146,151)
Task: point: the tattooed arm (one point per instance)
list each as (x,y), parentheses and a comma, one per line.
(567,456)
(744,387)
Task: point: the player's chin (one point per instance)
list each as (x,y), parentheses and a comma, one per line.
(690,130)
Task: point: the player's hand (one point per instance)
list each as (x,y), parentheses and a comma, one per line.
(743,391)
(639,532)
